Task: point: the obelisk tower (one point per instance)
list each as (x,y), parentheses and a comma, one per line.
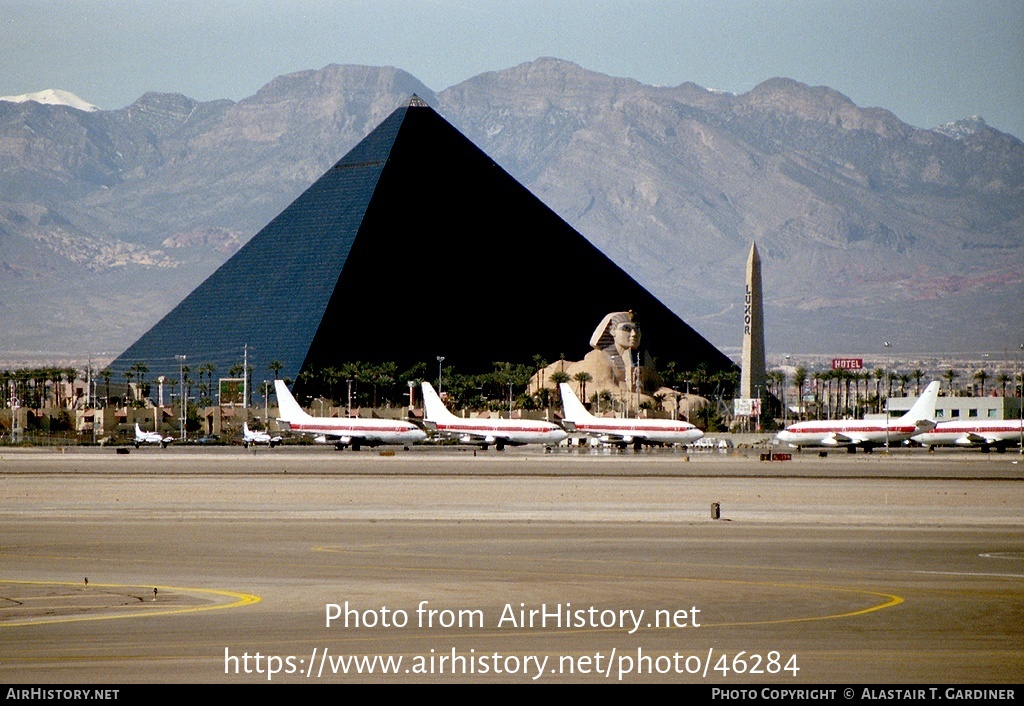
(752,367)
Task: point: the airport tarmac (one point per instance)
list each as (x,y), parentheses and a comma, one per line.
(520,566)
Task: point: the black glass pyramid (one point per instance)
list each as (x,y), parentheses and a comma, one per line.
(416,244)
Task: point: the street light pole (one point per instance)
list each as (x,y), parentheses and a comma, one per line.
(887,398)
(182,402)
(785,384)
(440,359)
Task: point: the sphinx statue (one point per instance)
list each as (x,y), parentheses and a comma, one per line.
(613,368)
(611,363)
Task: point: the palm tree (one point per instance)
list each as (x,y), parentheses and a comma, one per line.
(276,366)
(1002,379)
(981,376)
(799,380)
(105,374)
(816,377)
(56,377)
(879,377)
(918,375)
(866,376)
(383,374)
(539,363)
(846,377)
(583,377)
(856,377)
(141,369)
(206,388)
(129,375)
(558,377)
(951,375)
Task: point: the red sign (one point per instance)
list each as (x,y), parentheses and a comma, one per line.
(847,363)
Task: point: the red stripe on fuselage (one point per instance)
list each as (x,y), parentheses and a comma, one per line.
(480,428)
(314,428)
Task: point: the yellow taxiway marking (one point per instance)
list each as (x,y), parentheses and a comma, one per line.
(239,600)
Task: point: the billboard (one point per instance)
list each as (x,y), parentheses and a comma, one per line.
(231,390)
(744,407)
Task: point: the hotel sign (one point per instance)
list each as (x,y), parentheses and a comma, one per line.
(847,363)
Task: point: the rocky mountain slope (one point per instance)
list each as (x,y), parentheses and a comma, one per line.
(869,229)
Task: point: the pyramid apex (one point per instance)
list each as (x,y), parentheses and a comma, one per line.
(417,102)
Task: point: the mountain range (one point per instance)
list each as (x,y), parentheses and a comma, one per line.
(869,229)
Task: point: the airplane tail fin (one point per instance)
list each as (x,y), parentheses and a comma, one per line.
(436,411)
(290,410)
(924,408)
(575,411)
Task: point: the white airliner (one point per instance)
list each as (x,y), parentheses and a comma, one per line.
(623,432)
(258,437)
(342,431)
(485,432)
(866,434)
(150,437)
(988,435)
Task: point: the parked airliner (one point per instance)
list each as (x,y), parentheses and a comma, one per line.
(258,437)
(342,431)
(997,434)
(150,437)
(864,433)
(623,432)
(485,432)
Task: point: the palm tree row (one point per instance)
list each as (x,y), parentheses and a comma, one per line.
(699,381)
(841,392)
(37,387)
(378,384)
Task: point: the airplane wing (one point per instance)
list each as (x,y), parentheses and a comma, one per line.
(972,439)
(610,438)
(325,438)
(488,439)
(836,439)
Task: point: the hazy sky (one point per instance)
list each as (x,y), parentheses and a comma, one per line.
(928,61)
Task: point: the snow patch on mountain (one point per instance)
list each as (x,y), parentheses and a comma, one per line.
(959,129)
(53,96)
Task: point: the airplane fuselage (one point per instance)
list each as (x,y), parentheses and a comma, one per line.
(866,433)
(849,433)
(151,437)
(368,431)
(1005,432)
(657,431)
(507,431)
